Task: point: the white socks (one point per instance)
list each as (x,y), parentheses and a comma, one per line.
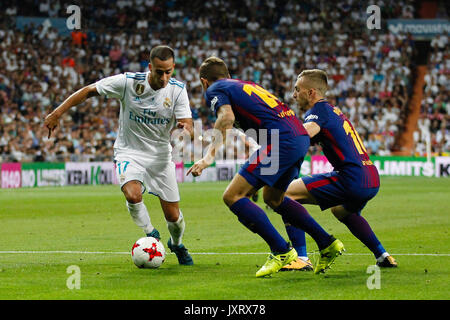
(381,258)
(139,214)
(305,259)
(176,229)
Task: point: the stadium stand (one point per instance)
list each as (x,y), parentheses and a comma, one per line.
(370,71)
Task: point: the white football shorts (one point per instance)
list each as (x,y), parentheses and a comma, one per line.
(158,178)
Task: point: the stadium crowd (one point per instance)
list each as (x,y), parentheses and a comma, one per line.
(434,122)
(268,42)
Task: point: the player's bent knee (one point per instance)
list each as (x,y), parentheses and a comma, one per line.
(303,198)
(132,191)
(131,195)
(134,198)
(229,199)
(273,203)
(340,213)
(172,217)
(291,194)
(297,191)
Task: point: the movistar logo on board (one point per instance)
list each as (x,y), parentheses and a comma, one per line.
(149,117)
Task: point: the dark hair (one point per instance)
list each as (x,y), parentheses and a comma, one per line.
(213,69)
(162,52)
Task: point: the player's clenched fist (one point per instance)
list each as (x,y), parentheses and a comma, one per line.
(51,122)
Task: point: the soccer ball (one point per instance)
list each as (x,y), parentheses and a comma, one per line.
(148,252)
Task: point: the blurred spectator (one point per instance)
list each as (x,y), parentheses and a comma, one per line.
(79,38)
(434,124)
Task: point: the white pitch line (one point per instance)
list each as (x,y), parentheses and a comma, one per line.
(212,253)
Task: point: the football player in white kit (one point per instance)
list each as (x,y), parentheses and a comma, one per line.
(151,105)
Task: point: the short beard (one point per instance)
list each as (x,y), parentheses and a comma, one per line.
(303,104)
(155,85)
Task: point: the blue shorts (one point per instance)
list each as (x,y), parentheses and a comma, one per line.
(332,189)
(276,168)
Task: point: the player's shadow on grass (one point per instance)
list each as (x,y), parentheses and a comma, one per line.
(346,277)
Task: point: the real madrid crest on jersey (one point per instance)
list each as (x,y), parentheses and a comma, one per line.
(167,103)
(139,89)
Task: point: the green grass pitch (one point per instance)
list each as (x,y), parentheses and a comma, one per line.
(46,230)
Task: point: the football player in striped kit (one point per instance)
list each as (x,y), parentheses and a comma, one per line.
(355,178)
(271,168)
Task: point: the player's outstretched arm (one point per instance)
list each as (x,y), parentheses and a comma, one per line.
(225,121)
(52,120)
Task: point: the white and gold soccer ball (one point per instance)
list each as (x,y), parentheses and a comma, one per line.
(148,252)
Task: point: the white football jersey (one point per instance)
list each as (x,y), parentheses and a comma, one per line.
(146,116)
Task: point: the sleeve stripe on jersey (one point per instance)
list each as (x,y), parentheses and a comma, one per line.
(176,82)
(136,76)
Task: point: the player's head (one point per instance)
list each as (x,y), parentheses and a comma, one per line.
(161,66)
(311,86)
(211,70)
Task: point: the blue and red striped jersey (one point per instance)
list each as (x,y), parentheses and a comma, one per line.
(341,144)
(254,107)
